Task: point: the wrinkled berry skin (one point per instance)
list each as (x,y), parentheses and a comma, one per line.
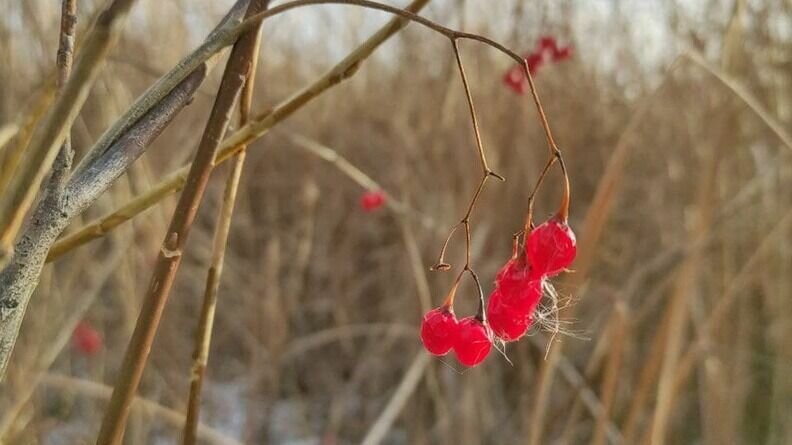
(551,247)
(517,293)
(516,277)
(439,330)
(473,343)
(507,322)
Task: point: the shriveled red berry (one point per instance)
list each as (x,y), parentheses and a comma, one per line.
(515,80)
(561,54)
(514,275)
(473,342)
(551,247)
(507,322)
(535,61)
(439,330)
(86,339)
(547,43)
(372,200)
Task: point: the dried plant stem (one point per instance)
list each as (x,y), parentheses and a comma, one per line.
(376,434)
(52,214)
(105,224)
(749,99)
(352,172)
(48,137)
(206,322)
(63,160)
(727,300)
(646,379)
(612,370)
(56,341)
(169,259)
(578,382)
(155,410)
(679,301)
(593,225)
(256,128)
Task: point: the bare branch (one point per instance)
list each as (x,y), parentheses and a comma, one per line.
(169,259)
(255,129)
(53,213)
(203,336)
(51,133)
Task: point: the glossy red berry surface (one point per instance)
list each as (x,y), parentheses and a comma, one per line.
(507,322)
(439,330)
(551,247)
(473,342)
(372,200)
(86,339)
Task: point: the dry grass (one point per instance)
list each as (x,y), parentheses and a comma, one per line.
(680,327)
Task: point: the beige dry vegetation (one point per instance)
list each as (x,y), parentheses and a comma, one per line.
(680,323)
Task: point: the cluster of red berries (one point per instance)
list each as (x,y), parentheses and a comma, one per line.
(86,339)
(549,249)
(547,49)
(372,200)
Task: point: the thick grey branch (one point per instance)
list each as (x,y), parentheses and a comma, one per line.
(54,211)
(86,186)
(207,53)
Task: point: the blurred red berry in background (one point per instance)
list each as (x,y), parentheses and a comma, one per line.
(515,80)
(372,200)
(546,49)
(535,61)
(547,44)
(561,54)
(86,339)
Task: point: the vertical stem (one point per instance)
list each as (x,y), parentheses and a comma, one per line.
(65,56)
(169,259)
(203,336)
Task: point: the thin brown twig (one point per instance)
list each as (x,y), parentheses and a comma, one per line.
(255,129)
(203,336)
(260,126)
(465,221)
(593,224)
(169,259)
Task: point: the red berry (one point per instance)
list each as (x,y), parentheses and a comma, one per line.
(372,200)
(86,339)
(547,44)
(535,61)
(515,80)
(439,330)
(508,322)
(473,342)
(551,247)
(560,54)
